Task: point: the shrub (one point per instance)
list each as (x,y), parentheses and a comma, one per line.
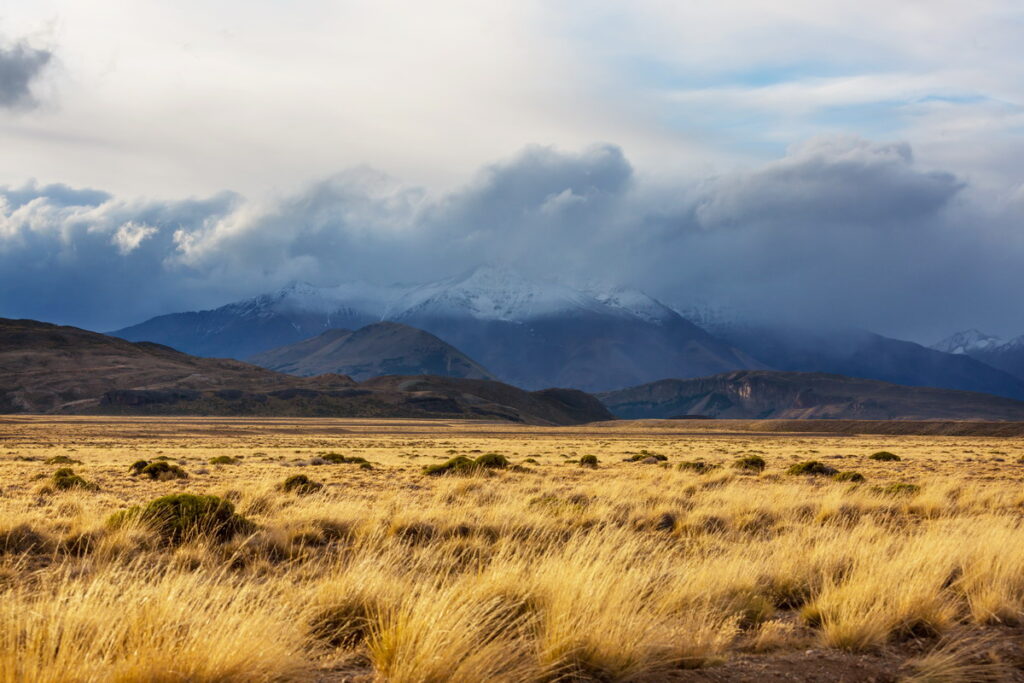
(62,460)
(224,460)
(492,460)
(532,461)
(463,465)
(643,455)
(752,463)
(811,467)
(163,471)
(65,479)
(698,466)
(460,464)
(300,484)
(138,466)
(334,458)
(885,456)
(184,516)
(589,461)
(899,488)
(855,477)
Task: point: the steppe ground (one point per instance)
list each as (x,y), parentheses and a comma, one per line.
(550,570)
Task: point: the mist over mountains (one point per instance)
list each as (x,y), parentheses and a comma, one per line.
(540,333)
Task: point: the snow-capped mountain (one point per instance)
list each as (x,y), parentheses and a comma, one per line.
(969,341)
(1006,355)
(533,333)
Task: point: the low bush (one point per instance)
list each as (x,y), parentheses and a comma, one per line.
(589,461)
(62,460)
(461,464)
(184,516)
(698,466)
(750,463)
(138,466)
(811,468)
(300,484)
(65,479)
(163,471)
(224,460)
(885,456)
(643,455)
(854,477)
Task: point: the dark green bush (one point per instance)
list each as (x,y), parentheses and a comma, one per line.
(698,466)
(62,460)
(492,460)
(224,460)
(643,455)
(752,463)
(811,467)
(65,479)
(885,456)
(589,461)
(163,471)
(334,458)
(184,516)
(855,477)
(138,466)
(300,484)
(461,464)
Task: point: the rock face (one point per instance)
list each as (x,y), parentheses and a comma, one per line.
(51,369)
(766,394)
(371,351)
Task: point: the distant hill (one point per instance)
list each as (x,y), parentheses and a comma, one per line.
(793,395)
(47,368)
(857,353)
(529,333)
(378,349)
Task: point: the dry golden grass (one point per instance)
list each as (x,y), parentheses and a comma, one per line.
(625,572)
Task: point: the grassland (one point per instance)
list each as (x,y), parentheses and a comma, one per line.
(641,568)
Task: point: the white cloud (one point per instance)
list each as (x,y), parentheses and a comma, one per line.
(130,235)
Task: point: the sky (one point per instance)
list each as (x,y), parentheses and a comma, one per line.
(856,163)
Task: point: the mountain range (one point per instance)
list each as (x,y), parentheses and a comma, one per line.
(528,333)
(47,368)
(536,334)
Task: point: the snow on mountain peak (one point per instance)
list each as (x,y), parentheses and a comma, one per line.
(967,342)
(489,292)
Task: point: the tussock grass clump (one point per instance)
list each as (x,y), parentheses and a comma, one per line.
(811,468)
(162,471)
(62,460)
(885,456)
(224,460)
(698,466)
(300,484)
(184,516)
(850,476)
(346,623)
(65,479)
(749,463)
(589,461)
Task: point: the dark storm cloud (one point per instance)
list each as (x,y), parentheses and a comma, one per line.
(840,230)
(20,65)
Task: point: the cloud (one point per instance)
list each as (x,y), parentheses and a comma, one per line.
(20,65)
(840,230)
